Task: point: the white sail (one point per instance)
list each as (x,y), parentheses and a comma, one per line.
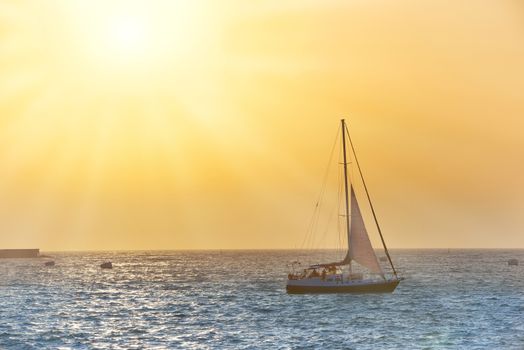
(360,249)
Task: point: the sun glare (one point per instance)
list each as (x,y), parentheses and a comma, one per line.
(135,35)
(128,35)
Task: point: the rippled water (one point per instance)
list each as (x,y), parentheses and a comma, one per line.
(235,300)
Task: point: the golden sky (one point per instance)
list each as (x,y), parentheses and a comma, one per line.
(207,124)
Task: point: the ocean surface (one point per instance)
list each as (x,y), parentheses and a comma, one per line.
(457,299)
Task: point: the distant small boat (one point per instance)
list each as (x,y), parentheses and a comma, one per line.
(49,263)
(383,258)
(106,265)
(513,262)
(338,276)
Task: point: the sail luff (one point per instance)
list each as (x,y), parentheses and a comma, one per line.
(361,249)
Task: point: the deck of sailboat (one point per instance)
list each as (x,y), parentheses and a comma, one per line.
(306,286)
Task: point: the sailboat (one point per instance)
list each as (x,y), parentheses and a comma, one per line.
(339,277)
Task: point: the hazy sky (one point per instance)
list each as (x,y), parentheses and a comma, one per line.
(188,125)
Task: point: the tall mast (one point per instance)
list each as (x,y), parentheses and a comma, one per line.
(346,186)
(345,129)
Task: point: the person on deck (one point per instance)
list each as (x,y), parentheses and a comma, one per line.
(314,274)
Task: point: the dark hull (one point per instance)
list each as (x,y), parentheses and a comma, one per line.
(384,287)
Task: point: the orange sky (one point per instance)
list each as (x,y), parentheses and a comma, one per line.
(203,124)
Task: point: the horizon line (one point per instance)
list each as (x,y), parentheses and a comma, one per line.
(254,249)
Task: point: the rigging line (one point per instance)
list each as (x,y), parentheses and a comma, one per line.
(333,209)
(350,178)
(318,204)
(310,226)
(311,239)
(339,199)
(370,203)
(314,223)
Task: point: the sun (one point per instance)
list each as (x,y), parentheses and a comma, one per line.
(135,35)
(125,36)
(128,35)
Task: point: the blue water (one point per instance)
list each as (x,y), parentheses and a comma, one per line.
(461,299)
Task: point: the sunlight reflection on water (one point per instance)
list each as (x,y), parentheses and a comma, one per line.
(461,299)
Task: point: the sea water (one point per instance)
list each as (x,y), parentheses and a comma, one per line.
(457,299)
